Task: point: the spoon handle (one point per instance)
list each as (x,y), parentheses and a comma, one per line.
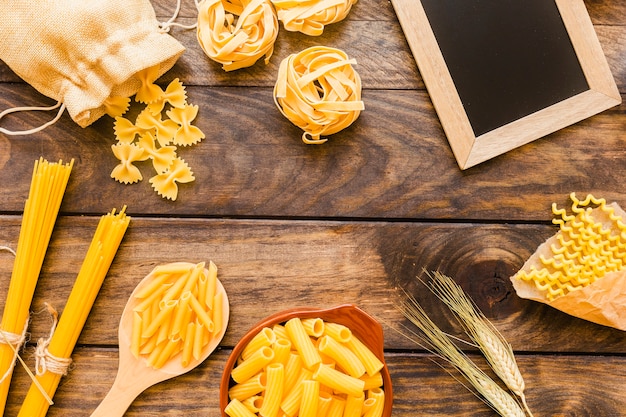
(118,399)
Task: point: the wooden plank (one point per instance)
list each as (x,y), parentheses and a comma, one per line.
(557,386)
(387,170)
(316,264)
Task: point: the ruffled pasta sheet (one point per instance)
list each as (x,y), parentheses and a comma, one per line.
(319,91)
(311,16)
(237,33)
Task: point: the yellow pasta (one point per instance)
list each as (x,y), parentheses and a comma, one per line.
(274,390)
(310,398)
(168,320)
(370,361)
(248,388)
(252,365)
(262,339)
(374,403)
(237,33)
(346,359)
(338,381)
(319,91)
(590,243)
(354,405)
(302,343)
(165,183)
(325,387)
(125,171)
(253,403)
(310,17)
(235,408)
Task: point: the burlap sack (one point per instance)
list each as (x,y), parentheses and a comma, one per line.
(80,52)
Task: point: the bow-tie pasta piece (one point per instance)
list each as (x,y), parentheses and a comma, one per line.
(319,91)
(311,16)
(125,172)
(116,106)
(165,129)
(126,131)
(149,92)
(237,33)
(166,184)
(186,134)
(174,95)
(161,157)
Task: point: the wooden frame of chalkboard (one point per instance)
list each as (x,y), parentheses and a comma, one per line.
(485,114)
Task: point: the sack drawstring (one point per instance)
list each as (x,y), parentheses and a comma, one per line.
(59,106)
(165,26)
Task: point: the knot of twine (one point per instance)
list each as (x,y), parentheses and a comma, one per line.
(15,341)
(319,91)
(238,32)
(44,360)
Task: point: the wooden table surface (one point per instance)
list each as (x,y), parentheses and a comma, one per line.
(290,224)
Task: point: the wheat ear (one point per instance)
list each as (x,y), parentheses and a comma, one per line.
(495,348)
(442,345)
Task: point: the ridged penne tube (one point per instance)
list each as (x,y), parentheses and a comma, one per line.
(337,331)
(164,314)
(344,357)
(323,404)
(292,399)
(354,405)
(188,343)
(179,325)
(310,398)
(376,403)
(337,405)
(338,381)
(302,342)
(282,351)
(370,361)
(135,340)
(249,388)
(372,381)
(274,390)
(217,312)
(313,326)
(253,364)
(292,370)
(202,315)
(262,339)
(211,285)
(253,403)
(235,408)
(280,331)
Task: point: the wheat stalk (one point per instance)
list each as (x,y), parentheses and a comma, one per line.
(495,348)
(442,345)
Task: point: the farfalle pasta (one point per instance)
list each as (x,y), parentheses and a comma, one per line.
(581,270)
(151,136)
(237,33)
(311,16)
(319,91)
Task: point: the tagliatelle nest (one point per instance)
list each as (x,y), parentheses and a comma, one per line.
(310,16)
(236,33)
(319,91)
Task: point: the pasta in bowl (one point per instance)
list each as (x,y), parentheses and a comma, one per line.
(309,362)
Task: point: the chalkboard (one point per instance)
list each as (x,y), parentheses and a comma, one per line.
(502,73)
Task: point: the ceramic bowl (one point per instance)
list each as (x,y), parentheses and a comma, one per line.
(365,327)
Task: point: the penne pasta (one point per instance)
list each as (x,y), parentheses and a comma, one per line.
(370,361)
(338,381)
(249,388)
(310,398)
(262,339)
(354,405)
(344,357)
(374,404)
(235,408)
(252,365)
(302,343)
(273,390)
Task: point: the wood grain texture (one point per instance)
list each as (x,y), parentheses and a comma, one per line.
(348,221)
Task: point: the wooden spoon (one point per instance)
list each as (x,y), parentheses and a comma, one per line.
(134,375)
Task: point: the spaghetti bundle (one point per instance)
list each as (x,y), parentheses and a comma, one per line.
(53,354)
(236,33)
(319,91)
(47,188)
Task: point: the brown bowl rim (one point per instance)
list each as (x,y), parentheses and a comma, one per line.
(343,312)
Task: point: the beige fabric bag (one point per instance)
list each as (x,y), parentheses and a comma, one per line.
(81,52)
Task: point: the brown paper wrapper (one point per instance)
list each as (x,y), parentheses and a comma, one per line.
(602,302)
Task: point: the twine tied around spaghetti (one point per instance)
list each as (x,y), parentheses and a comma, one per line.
(44,360)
